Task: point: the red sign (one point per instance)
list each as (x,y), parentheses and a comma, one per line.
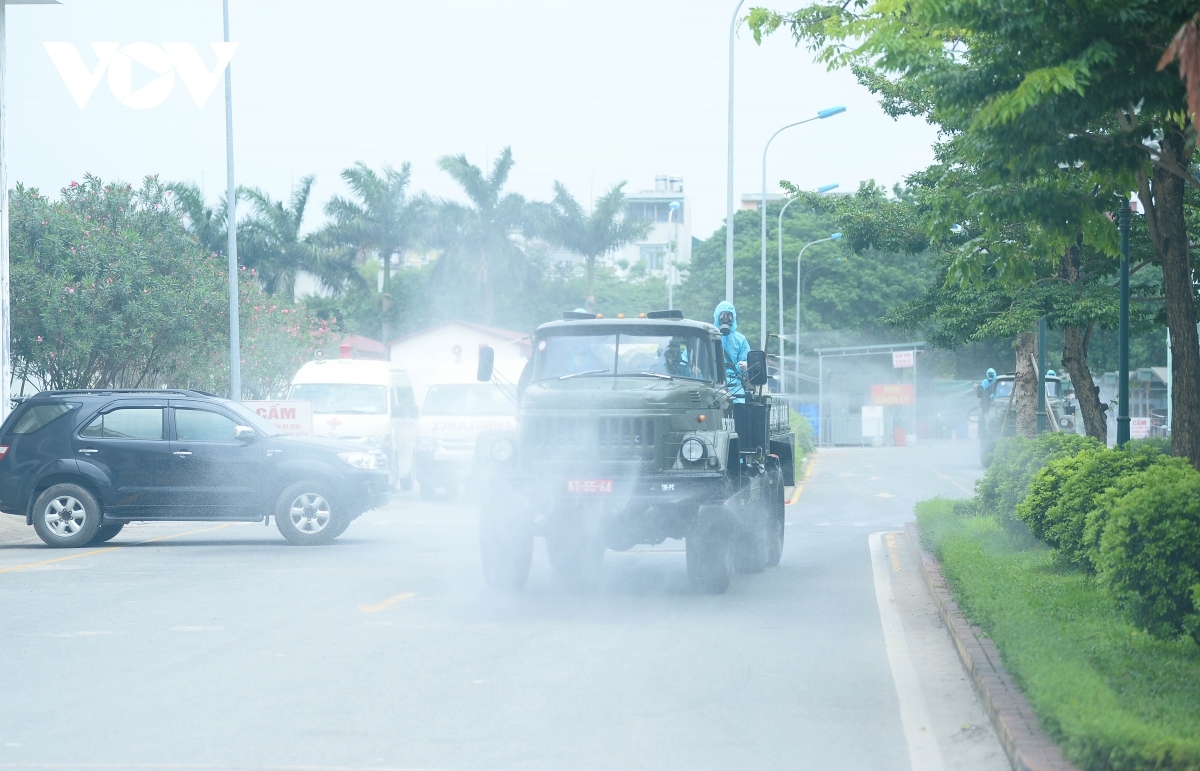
(893,393)
(589,485)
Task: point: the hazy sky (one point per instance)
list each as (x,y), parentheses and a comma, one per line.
(589,92)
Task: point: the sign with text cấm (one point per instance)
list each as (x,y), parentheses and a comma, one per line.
(893,393)
(290,417)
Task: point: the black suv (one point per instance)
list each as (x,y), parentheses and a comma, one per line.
(78,465)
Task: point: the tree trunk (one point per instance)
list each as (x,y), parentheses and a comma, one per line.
(589,297)
(1173,250)
(385,330)
(1026,385)
(1074,359)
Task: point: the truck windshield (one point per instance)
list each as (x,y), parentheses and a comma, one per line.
(467,399)
(343,398)
(626,354)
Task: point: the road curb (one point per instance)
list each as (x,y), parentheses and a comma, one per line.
(1027,745)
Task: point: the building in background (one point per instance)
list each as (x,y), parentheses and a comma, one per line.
(666,230)
(753,201)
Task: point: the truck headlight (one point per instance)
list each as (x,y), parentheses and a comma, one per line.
(692,450)
(365,460)
(426,444)
(502,450)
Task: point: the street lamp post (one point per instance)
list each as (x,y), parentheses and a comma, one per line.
(779,232)
(729,167)
(235,340)
(671,209)
(799,259)
(1123,330)
(823,114)
(5,286)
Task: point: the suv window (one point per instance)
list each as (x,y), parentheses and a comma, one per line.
(41,415)
(203,426)
(126,423)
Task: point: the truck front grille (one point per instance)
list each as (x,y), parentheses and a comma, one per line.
(615,437)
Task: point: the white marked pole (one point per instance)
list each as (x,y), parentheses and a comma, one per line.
(5,289)
(729,168)
(235,342)
(923,751)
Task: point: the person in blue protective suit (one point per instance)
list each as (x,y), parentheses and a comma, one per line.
(736,347)
(986,390)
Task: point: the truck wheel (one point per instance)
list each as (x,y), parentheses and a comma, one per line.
(406,483)
(751,548)
(66,516)
(107,532)
(778,519)
(305,516)
(709,551)
(505,544)
(985,451)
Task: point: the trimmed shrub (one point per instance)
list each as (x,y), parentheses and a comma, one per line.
(1150,547)
(1063,496)
(1014,462)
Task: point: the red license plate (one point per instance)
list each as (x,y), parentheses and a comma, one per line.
(589,485)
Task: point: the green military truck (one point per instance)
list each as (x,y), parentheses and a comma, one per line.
(997,411)
(628,434)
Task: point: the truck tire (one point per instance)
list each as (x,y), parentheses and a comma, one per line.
(505,544)
(778,520)
(710,550)
(306,516)
(107,532)
(986,445)
(66,516)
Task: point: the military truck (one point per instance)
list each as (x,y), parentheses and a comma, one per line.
(628,434)
(997,411)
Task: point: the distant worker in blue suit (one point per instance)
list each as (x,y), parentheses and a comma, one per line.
(986,391)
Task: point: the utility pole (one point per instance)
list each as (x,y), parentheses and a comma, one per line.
(1123,330)
(235,334)
(1041,374)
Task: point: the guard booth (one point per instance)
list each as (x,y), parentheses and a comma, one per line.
(867,395)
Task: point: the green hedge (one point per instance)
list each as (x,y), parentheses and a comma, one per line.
(1114,698)
(1061,504)
(1014,462)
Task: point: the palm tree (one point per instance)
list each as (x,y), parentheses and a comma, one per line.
(270,242)
(203,222)
(383,221)
(591,235)
(479,238)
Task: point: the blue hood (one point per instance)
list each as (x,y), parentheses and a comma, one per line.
(721,308)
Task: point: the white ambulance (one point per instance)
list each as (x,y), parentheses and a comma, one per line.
(456,408)
(363,401)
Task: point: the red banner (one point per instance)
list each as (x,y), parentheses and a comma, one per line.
(893,393)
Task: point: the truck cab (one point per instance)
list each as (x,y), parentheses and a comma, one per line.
(629,434)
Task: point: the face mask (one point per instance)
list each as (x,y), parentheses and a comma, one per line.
(726,320)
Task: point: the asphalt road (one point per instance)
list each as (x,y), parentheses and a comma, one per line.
(203,646)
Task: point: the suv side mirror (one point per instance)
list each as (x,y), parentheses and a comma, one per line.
(487,361)
(756,368)
(244,434)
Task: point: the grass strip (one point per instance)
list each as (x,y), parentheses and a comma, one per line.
(1111,695)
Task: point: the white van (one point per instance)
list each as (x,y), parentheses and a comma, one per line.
(363,401)
(457,407)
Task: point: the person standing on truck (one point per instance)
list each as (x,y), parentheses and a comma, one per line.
(986,391)
(735,345)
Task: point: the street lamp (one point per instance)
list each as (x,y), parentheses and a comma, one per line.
(729,168)
(5,286)
(671,209)
(799,258)
(779,231)
(823,114)
(235,340)
(1123,330)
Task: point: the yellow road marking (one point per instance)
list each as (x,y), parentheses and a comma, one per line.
(28,565)
(389,602)
(952,481)
(804,481)
(891,544)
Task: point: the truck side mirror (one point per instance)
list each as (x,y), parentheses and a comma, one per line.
(487,362)
(756,368)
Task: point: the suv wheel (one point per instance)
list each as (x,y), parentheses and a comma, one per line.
(66,516)
(107,532)
(305,516)
(709,550)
